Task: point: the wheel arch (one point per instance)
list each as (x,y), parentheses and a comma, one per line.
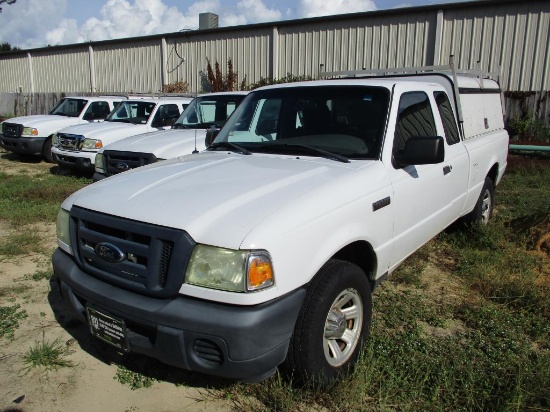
(493,173)
(360,253)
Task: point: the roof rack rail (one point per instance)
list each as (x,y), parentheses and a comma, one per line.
(396,71)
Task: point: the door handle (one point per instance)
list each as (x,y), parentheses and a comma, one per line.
(447,169)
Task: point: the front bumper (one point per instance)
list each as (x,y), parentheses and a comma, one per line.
(23,145)
(243,343)
(81,161)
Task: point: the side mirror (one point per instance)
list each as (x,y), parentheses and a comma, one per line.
(421,150)
(211,135)
(88,116)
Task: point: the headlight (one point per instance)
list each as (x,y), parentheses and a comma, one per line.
(62,230)
(99,163)
(232,270)
(92,144)
(30,131)
(55,140)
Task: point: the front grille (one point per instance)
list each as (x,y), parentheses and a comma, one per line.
(116,162)
(154,258)
(208,352)
(12,129)
(69,141)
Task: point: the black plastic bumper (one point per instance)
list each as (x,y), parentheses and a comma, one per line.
(237,342)
(98,176)
(74,163)
(23,145)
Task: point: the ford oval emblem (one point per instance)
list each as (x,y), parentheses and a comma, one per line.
(109,252)
(122,166)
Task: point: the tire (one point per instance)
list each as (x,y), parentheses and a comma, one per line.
(483,210)
(47,150)
(333,323)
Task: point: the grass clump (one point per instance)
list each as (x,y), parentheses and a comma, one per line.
(20,243)
(40,275)
(134,380)
(9,319)
(26,200)
(47,355)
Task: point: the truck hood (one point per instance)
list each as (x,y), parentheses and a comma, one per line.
(165,144)
(45,123)
(218,198)
(105,130)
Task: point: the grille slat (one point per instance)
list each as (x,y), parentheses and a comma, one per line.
(12,129)
(208,351)
(148,263)
(69,141)
(117,162)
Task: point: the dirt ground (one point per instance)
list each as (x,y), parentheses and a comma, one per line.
(91,385)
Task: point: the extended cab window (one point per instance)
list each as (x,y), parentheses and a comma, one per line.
(414,118)
(447,117)
(166,115)
(97,110)
(137,112)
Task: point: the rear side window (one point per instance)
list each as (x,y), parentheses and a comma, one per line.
(415,118)
(447,117)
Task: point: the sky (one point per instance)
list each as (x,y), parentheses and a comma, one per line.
(37,23)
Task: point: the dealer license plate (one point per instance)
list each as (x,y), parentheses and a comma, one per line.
(108,328)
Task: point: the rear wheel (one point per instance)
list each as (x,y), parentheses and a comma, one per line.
(483,209)
(333,323)
(47,150)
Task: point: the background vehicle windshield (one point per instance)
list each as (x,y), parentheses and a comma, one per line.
(344,120)
(69,107)
(136,112)
(207,111)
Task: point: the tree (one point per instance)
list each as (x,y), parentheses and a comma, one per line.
(219,82)
(5,47)
(6,1)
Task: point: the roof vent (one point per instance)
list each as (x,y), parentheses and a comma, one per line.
(208,21)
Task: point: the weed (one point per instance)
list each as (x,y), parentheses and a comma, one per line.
(134,380)
(22,242)
(47,355)
(39,275)
(9,319)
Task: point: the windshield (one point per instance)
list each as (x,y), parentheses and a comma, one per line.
(346,121)
(69,107)
(136,112)
(207,111)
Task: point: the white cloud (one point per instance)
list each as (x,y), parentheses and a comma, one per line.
(25,23)
(313,8)
(250,11)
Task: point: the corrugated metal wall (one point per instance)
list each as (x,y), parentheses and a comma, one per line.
(15,74)
(357,43)
(512,39)
(61,71)
(509,35)
(129,67)
(187,55)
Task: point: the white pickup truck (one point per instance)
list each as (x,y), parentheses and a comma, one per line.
(32,135)
(187,135)
(76,147)
(265,248)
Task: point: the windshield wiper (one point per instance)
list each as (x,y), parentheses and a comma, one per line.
(231,146)
(312,150)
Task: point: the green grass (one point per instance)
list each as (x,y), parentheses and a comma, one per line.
(9,320)
(25,199)
(134,380)
(21,242)
(47,356)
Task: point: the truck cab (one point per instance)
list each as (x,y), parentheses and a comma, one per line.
(187,135)
(76,147)
(32,135)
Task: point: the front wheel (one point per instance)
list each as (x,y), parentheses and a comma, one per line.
(333,323)
(47,150)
